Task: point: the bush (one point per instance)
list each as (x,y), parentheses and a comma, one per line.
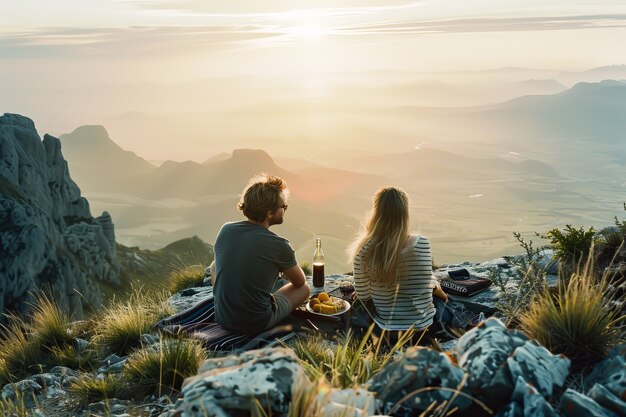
(529,280)
(90,388)
(580,321)
(186,277)
(121,325)
(571,246)
(162,369)
(306,268)
(69,357)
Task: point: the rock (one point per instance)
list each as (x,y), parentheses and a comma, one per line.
(25,391)
(611,372)
(189,297)
(418,368)
(575,404)
(345,403)
(526,402)
(536,365)
(608,400)
(494,357)
(229,386)
(48,237)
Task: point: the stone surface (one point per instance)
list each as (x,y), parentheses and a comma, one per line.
(600,394)
(526,402)
(47,234)
(575,404)
(495,357)
(346,403)
(418,368)
(229,386)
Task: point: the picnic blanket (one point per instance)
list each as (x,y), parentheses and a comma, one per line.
(199,322)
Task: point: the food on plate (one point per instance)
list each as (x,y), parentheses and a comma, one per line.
(331,305)
(323,296)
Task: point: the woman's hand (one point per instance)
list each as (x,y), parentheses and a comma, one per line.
(439,293)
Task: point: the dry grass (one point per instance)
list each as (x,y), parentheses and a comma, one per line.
(185,277)
(121,325)
(580,320)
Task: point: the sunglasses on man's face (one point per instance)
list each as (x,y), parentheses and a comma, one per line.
(284,206)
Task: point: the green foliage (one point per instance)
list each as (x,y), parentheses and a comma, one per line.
(529,279)
(162,369)
(121,325)
(581,320)
(571,245)
(90,388)
(352,362)
(187,277)
(306,268)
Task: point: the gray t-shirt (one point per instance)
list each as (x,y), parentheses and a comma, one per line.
(248,258)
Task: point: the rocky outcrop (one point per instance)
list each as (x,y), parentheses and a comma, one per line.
(48,238)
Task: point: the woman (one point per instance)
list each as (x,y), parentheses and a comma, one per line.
(393,268)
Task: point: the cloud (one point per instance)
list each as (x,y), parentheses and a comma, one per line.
(144,40)
(490,25)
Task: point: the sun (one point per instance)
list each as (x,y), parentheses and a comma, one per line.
(307,31)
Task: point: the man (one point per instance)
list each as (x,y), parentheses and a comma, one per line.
(249,258)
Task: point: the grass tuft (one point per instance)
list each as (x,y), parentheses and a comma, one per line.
(581,320)
(161,369)
(121,325)
(49,324)
(352,362)
(90,388)
(186,277)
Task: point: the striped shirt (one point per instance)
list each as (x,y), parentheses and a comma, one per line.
(410,301)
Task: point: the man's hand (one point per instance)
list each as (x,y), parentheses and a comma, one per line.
(295,275)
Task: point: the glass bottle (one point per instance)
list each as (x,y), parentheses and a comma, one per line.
(318,264)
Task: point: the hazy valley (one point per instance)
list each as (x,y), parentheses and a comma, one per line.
(528,164)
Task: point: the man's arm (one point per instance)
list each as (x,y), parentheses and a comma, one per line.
(212,270)
(295,275)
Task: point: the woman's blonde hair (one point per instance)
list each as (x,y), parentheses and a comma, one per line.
(385,234)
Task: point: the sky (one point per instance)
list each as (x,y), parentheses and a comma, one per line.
(67,63)
(168,40)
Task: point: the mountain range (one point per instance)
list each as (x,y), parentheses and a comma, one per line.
(515,166)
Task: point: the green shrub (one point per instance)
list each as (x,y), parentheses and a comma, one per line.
(306,268)
(162,368)
(528,280)
(580,321)
(121,325)
(186,277)
(571,245)
(89,388)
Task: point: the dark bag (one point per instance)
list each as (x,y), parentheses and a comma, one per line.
(466,287)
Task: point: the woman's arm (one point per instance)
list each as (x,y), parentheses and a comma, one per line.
(363,283)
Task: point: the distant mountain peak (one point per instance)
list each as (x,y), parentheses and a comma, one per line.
(256,156)
(91,132)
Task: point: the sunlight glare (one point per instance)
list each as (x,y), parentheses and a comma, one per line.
(307,31)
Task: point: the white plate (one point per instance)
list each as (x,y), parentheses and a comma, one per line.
(345,310)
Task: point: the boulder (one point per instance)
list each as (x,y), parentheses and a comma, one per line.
(48,237)
(408,378)
(234,385)
(495,357)
(575,404)
(345,403)
(526,402)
